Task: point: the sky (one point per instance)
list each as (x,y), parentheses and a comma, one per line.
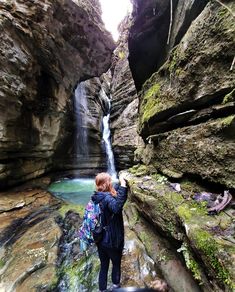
(113,11)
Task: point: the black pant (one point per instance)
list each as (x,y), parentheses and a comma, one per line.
(105,255)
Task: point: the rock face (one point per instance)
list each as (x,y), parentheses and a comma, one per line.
(156,31)
(84,147)
(29,237)
(187,107)
(46,49)
(206,242)
(124,110)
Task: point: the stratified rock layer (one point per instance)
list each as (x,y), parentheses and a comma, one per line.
(187,107)
(85,152)
(124,111)
(156,29)
(206,242)
(46,49)
(29,237)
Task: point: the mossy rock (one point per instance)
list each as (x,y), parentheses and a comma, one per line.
(181,218)
(198,67)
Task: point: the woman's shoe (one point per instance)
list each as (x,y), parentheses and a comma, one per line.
(116,286)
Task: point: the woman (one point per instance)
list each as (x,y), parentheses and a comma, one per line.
(111,202)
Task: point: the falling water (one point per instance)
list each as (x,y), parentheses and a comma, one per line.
(108,147)
(81,110)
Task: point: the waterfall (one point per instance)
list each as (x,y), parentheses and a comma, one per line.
(81,110)
(108,147)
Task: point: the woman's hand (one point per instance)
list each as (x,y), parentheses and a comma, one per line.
(122,181)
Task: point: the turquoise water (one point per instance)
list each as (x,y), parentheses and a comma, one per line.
(73,191)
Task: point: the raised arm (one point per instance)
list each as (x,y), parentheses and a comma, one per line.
(115,204)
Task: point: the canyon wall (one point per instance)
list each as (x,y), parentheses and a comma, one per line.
(156,29)
(84,147)
(186,113)
(182,63)
(46,49)
(124,110)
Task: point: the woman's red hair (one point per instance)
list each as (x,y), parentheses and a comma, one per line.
(103,183)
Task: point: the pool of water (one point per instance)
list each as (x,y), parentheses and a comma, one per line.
(73,191)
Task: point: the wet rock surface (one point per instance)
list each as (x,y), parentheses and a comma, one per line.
(29,237)
(167,262)
(205,242)
(79,271)
(166,238)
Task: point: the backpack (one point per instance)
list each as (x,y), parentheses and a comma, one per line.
(91,230)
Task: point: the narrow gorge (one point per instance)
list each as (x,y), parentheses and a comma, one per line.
(158,106)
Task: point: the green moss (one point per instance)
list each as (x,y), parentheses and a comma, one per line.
(176,198)
(135,216)
(194,267)
(139,170)
(2,263)
(190,262)
(228,120)
(146,240)
(192,210)
(222,12)
(81,274)
(230,97)
(176,57)
(207,245)
(150,104)
(159,178)
(76,208)
(190,187)
(184,212)
(152,91)
(138,153)
(173,61)
(180,72)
